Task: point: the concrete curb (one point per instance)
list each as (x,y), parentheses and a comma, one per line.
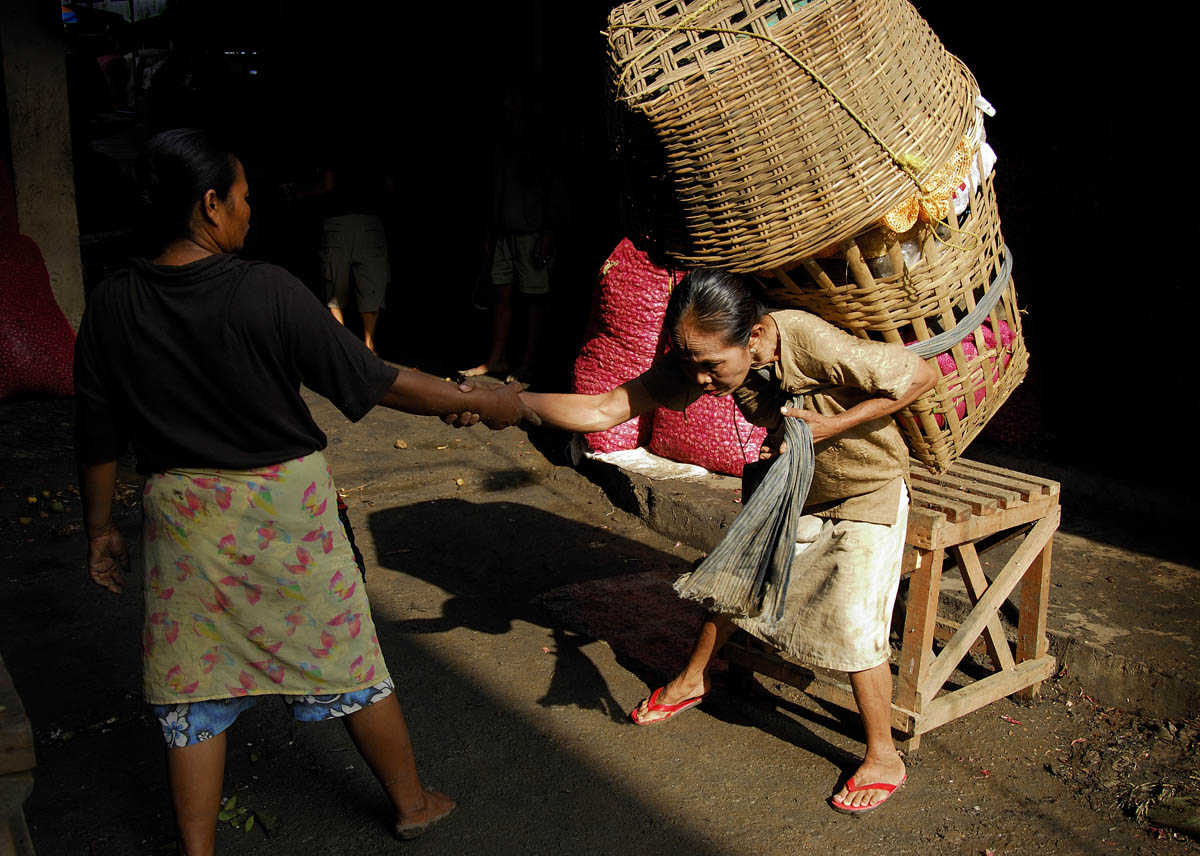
(698,513)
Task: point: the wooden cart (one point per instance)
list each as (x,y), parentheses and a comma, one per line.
(969,508)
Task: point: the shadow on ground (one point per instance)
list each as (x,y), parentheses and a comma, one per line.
(529,567)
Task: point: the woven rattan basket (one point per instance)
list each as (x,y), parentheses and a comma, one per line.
(953,277)
(735,156)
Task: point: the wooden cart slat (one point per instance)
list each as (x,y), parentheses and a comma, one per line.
(1046,486)
(978,503)
(951,509)
(1004,497)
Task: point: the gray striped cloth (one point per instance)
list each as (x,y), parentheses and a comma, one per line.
(747,573)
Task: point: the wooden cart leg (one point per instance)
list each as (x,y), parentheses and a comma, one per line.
(916,649)
(977,583)
(738,677)
(1031,627)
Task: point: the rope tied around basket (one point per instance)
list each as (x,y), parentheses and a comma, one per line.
(908,163)
(932,203)
(748,573)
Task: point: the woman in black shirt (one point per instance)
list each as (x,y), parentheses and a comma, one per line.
(196,358)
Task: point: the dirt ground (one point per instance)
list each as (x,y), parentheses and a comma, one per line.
(522,616)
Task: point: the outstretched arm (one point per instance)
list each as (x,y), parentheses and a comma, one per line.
(824,427)
(424,395)
(574,412)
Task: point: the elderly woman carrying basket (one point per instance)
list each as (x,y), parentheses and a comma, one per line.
(834,609)
(251,586)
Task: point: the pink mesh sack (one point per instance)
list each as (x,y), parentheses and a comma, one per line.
(714,435)
(624,334)
(36,342)
(971,353)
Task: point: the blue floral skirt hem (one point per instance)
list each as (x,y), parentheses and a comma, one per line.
(197,721)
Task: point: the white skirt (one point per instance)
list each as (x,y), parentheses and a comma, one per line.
(838,612)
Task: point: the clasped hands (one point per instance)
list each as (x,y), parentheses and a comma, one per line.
(505,408)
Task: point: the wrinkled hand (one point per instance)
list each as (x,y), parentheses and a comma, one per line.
(771,448)
(461,420)
(507,410)
(465,419)
(773,445)
(823,427)
(107,560)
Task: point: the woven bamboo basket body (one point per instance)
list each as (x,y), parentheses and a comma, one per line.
(950,280)
(736,157)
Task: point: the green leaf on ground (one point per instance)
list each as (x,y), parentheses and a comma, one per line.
(268,822)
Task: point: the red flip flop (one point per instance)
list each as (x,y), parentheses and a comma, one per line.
(669,709)
(878,786)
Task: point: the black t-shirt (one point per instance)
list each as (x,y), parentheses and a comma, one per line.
(200,365)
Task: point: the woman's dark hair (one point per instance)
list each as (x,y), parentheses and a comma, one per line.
(714,301)
(176,170)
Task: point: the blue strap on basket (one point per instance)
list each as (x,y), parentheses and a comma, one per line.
(943,342)
(748,573)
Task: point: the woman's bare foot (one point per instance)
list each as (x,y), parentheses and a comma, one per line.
(679,690)
(887,770)
(485,369)
(521,375)
(413,822)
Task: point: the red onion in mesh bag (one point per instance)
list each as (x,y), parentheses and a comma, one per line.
(714,435)
(970,351)
(37,343)
(624,334)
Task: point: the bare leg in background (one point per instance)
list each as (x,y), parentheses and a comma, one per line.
(535,311)
(369,320)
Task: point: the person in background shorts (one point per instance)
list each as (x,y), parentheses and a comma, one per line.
(525,211)
(353,187)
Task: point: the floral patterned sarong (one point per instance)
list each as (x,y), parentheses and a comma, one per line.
(251,587)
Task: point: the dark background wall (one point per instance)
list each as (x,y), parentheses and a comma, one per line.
(1101,215)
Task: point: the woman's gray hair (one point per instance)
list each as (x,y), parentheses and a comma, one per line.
(716,302)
